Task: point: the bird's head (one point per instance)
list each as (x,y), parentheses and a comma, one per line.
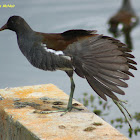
(14,23)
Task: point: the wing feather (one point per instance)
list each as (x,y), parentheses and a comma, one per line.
(105,63)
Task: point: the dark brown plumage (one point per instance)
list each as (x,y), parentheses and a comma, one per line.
(124,20)
(103,61)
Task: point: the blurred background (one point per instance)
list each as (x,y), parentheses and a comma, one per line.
(116,18)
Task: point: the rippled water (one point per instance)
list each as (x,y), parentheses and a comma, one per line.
(58,16)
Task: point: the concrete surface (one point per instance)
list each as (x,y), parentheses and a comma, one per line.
(20,117)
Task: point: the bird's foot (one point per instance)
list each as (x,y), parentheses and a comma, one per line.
(68,109)
(65,110)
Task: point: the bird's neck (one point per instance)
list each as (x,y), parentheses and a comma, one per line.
(24,30)
(126,6)
(25,38)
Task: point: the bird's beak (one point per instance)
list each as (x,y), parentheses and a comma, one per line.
(4,27)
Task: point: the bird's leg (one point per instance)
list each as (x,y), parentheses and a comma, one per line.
(69,106)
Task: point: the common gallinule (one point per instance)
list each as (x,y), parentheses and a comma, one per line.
(103,61)
(124,20)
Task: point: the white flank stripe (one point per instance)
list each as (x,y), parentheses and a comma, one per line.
(120,26)
(133,19)
(43,45)
(53,51)
(67,57)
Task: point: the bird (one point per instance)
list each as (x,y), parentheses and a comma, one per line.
(102,60)
(124,20)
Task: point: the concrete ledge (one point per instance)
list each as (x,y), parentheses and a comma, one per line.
(20,117)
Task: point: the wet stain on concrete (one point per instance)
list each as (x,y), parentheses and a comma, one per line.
(89,129)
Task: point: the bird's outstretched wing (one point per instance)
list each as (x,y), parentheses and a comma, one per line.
(104,62)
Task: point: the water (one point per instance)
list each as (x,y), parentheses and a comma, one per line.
(58,16)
